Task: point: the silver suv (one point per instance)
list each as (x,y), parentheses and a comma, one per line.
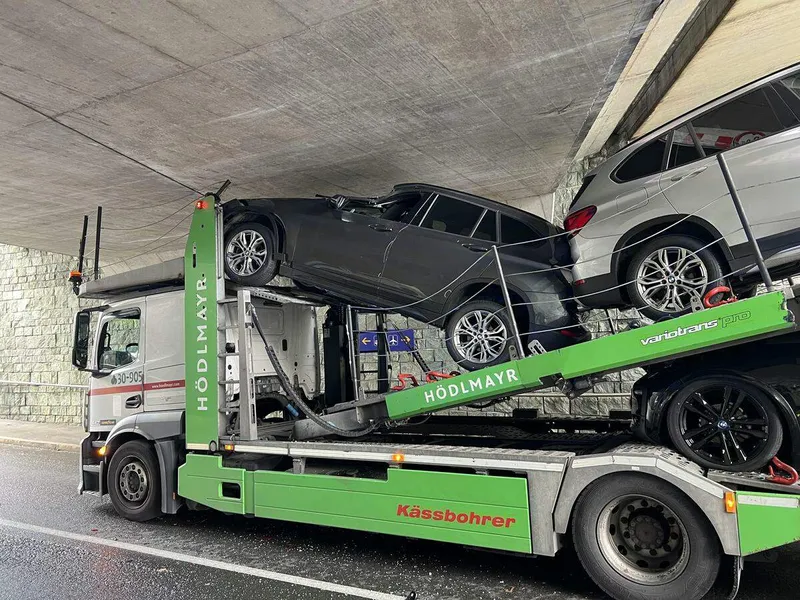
(654,225)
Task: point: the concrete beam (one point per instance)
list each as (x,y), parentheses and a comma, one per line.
(704,19)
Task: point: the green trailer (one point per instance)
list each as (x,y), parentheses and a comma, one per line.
(645,521)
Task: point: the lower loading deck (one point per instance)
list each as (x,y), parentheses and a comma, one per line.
(491,497)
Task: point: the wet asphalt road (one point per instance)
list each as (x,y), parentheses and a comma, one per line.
(38,488)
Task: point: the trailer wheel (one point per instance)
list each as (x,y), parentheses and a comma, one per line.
(134,482)
(725,423)
(638,538)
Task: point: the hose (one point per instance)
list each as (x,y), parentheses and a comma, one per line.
(295,397)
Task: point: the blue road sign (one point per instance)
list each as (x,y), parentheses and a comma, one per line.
(398,340)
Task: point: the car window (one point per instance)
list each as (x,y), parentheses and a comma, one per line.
(404,208)
(487,228)
(683,150)
(119,341)
(513,231)
(788,89)
(452,216)
(745,119)
(751,117)
(647,160)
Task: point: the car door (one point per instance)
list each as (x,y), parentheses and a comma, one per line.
(694,186)
(345,250)
(761,155)
(764,161)
(118,381)
(429,259)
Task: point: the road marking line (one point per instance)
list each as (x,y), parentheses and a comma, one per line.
(206,562)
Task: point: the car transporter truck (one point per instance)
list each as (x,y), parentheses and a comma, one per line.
(204,394)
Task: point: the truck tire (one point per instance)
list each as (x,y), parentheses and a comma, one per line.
(134,481)
(725,423)
(640,538)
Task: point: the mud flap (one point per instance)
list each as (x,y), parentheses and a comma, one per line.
(92,471)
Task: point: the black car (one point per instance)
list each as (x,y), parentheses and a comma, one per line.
(422,251)
(731,409)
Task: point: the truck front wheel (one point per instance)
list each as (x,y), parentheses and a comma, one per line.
(134,484)
(640,538)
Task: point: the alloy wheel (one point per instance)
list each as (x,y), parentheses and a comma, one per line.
(668,279)
(480,336)
(246,252)
(723,424)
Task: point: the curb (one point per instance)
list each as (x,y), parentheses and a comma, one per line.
(59,446)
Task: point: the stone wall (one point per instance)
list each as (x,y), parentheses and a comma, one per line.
(36,312)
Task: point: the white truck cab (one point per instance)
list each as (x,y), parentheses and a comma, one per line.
(133,348)
(137,356)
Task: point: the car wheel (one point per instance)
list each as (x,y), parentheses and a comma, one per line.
(134,481)
(640,537)
(746,291)
(250,254)
(725,423)
(666,273)
(478,335)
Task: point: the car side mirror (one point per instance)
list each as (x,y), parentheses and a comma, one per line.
(80,342)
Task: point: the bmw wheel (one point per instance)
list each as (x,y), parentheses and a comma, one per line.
(478,335)
(725,423)
(668,272)
(250,254)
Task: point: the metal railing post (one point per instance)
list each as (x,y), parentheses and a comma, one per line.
(726,174)
(517,341)
(352,348)
(98,227)
(248,418)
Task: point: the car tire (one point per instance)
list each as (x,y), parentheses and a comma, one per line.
(463,331)
(725,423)
(615,514)
(134,481)
(687,260)
(249,254)
(746,291)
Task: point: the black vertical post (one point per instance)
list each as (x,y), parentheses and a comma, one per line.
(82,249)
(97,242)
(338,383)
(383,354)
(745,223)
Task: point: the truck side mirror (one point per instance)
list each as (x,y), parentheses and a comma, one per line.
(80,343)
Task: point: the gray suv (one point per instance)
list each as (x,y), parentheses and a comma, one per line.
(654,225)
